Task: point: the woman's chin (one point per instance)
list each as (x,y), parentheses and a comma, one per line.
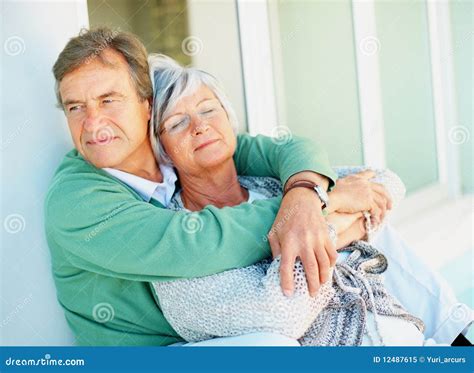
(211,159)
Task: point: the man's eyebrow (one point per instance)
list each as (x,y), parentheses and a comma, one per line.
(69,102)
(110,93)
(107,94)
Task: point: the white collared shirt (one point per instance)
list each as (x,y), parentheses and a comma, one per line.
(147,189)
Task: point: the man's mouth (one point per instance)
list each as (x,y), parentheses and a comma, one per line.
(101,141)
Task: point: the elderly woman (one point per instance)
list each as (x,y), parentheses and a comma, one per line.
(193,128)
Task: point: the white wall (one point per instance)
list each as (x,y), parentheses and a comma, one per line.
(34,137)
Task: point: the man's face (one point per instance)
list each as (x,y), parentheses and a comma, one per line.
(107,119)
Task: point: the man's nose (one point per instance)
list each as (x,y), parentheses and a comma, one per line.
(92,118)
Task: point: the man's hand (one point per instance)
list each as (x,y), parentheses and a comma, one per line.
(300,230)
(356,193)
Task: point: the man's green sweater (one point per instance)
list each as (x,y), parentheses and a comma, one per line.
(107,244)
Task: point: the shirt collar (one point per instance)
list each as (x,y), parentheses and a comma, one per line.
(146,188)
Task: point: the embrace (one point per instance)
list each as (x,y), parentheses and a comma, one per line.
(166,227)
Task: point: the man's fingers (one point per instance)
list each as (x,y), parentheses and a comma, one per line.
(274,244)
(332,252)
(312,272)
(323,263)
(286,273)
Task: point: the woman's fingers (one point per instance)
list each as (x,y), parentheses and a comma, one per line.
(375,213)
(366,174)
(382,205)
(380,189)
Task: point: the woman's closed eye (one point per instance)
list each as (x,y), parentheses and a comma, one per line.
(207,111)
(178,125)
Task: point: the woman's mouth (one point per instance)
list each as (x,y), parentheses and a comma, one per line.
(204,144)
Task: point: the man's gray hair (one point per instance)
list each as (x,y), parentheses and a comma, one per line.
(90,44)
(171,82)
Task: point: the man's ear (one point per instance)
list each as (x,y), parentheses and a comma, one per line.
(150,107)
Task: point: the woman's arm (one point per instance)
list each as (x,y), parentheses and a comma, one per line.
(263,156)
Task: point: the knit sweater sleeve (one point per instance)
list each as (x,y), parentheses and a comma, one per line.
(240,301)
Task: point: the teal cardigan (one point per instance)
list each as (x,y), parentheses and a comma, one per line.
(107,244)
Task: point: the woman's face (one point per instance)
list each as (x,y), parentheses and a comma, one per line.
(197,134)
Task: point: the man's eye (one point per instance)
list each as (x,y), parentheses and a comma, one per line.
(74,108)
(107,101)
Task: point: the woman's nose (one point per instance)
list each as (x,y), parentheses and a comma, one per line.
(199,126)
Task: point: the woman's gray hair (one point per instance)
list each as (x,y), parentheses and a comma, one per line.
(171,82)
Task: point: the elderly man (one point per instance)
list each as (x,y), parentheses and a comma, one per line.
(106,223)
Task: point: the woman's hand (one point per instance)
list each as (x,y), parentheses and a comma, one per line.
(356,231)
(356,193)
(341,221)
(300,230)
